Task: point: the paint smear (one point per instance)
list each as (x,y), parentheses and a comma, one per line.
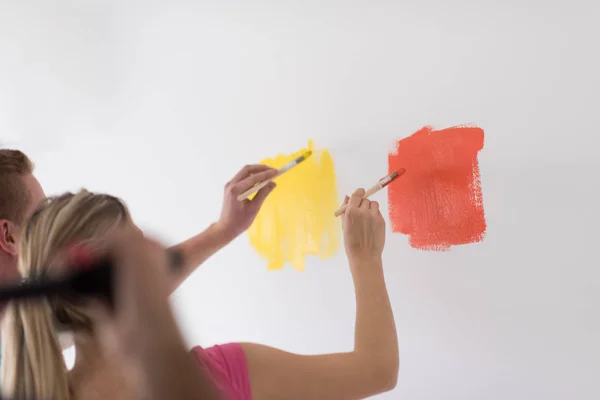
(297,218)
(438,201)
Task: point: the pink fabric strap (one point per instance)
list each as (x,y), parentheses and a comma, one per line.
(228,366)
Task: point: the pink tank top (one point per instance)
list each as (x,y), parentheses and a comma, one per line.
(228,366)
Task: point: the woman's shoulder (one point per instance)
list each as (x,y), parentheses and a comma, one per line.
(228,365)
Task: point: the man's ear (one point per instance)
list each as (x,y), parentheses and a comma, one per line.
(8,238)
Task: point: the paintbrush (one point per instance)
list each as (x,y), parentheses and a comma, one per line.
(380,185)
(280,172)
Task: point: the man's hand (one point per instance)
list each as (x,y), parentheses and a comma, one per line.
(141,329)
(237,216)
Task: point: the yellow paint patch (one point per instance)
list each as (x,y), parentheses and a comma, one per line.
(297,218)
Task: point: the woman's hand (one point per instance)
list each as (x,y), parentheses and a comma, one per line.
(237,216)
(372,366)
(364,229)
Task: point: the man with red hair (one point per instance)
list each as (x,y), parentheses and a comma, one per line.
(21,193)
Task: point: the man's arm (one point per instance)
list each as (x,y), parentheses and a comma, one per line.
(197,249)
(236,217)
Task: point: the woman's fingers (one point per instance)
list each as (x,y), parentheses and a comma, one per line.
(357,198)
(374,207)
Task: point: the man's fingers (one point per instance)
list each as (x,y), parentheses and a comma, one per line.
(98,311)
(248,170)
(356,198)
(105,326)
(253,179)
(120,242)
(262,194)
(126,247)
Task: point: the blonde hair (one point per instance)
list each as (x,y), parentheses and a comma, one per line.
(32,362)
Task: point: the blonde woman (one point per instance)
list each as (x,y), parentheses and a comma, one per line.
(33,367)
(140,331)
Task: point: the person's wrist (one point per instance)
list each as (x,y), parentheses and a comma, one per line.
(222,232)
(365,261)
(367,271)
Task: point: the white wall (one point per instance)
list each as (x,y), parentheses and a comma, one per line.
(161,102)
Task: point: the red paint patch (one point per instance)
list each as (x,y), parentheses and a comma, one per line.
(438,201)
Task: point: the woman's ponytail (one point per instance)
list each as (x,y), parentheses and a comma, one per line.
(33,366)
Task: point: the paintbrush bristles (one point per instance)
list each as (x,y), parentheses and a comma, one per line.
(390,178)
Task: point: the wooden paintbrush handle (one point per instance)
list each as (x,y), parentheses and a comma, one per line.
(368,193)
(255,189)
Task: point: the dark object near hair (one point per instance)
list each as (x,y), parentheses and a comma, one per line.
(96,281)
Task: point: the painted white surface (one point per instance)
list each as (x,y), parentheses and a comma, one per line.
(161,102)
